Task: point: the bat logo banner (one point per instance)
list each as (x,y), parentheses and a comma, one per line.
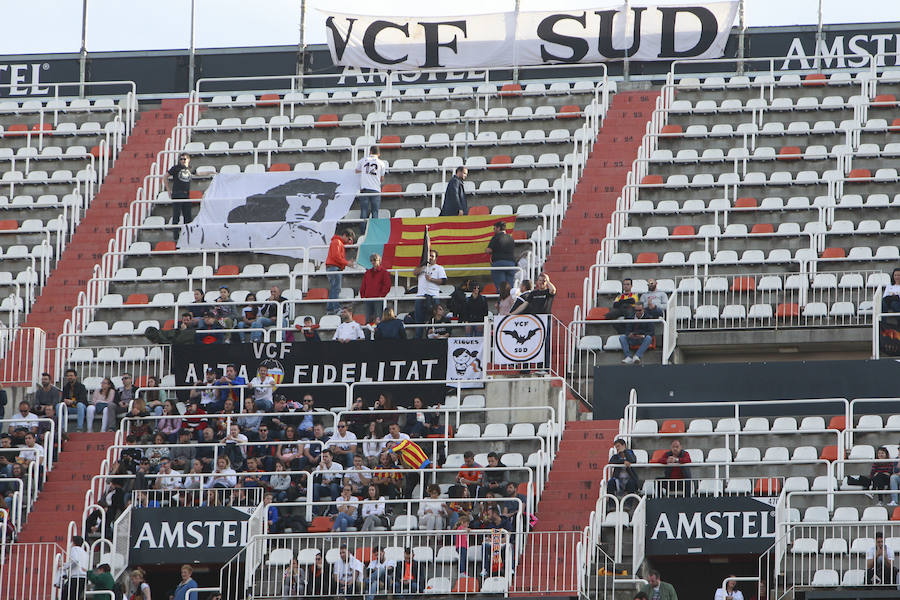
(520,339)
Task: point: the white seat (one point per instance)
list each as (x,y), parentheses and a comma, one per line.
(756,424)
(776,454)
(747,454)
(805,546)
(438,585)
(280,557)
(495,430)
(862,452)
(816,514)
(874,513)
(855,577)
(740,485)
(405,523)
(796,484)
(870,422)
(468,430)
(728,424)
(827,577)
(812,424)
(719,455)
(645,426)
(845,514)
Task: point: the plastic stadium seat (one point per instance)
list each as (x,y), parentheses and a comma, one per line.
(598,313)
(787,310)
(834,253)
(569,111)
(280,557)
(327,120)
(137,299)
(859,174)
(838,422)
(745,203)
(672,426)
(647,258)
(468,585)
(826,577)
(652,180)
(845,514)
(895,514)
(829,453)
(855,577)
(768,486)
(804,453)
(743,284)
(805,546)
(165,246)
(438,586)
(317,294)
(645,426)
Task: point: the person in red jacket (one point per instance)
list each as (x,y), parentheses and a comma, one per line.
(335,263)
(676,455)
(376,283)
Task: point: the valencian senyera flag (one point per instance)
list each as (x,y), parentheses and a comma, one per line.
(461,242)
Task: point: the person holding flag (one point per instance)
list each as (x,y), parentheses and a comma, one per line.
(410,455)
(431,276)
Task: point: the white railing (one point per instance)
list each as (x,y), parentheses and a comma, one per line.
(29,571)
(22,353)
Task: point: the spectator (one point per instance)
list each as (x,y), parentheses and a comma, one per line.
(223,476)
(372,446)
(170,424)
(125,394)
(381,571)
(232,383)
(438,329)
(348,573)
(640,596)
(676,455)
(343,444)
(729,592)
(140,590)
(293,581)
(393,435)
(102,578)
(349,330)
(890,301)
(386,477)
(187,583)
(45,395)
(371,171)
(458,508)
(309,329)
(476,310)
(880,475)
(192,420)
(198,307)
(317,578)
(432,511)
(26,419)
(195,477)
(461,541)
(250,418)
(538,301)
(420,424)
(75,397)
(209,324)
(494,478)
(76,567)
(347,507)
(225,313)
(373,510)
(268,314)
(168,479)
(376,283)
(409,576)
(330,478)
(430,277)
(279,482)
(624,480)
(154,397)
(502,249)
(262,386)
(103,399)
(506,298)
(880,569)
(307,424)
(335,263)
(511,507)
(470,474)
(659,590)
(178,184)
(248,315)
(455,195)
(390,327)
(636,334)
(655,302)
(623,305)
(31,452)
(312,453)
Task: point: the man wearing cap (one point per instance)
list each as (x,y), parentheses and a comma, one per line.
(204,333)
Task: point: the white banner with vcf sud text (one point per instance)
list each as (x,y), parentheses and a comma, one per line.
(649,31)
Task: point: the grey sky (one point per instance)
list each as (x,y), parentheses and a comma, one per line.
(164,24)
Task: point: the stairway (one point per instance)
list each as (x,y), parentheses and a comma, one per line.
(594,201)
(569,496)
(62,498)
(102,218)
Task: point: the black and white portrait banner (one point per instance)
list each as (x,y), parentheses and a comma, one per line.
(649,31)
(277,213)
(466,361)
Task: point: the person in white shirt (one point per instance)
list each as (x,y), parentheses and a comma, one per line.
(77,567)
(381,570)
(348,573)
(210,392)
(168,479)
(262,387)
(343,444)
(349,330)
(431,277)
(25,418)
(890,300)
(393,435)
(432,512)
(880,568)
(358,476)
(32,452)
(729,592)
(223,476)
(329,483)
(347,509)
(373,509)
(371,171)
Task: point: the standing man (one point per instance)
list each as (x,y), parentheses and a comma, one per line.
(376,283)
(455,195)
(371,171)
(538,301)
(659,590)
(187,583)
(335,263)
(178,184)
(431,277)
(77,566)
(502,249)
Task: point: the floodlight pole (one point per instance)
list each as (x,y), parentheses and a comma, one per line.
(516,42)
(819,38)
(301,45)
(742,27)
(82,63)
(626,75)
(191,54)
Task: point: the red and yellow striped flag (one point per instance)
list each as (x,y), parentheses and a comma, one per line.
(459,241)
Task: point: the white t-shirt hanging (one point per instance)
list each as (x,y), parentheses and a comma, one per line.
(427,288)
(371,170)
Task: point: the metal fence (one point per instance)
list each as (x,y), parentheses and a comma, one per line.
(29,572)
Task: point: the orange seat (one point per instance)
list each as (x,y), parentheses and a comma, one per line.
(838,422)
(787,309)
(9,225)
(658,454)
(361,319)
(467,585)
(895,125)
(895,516)
(510,89)
(489,288)
(768,486)
(389,141)
(479,210)
(790,153)
(228,270)
(320,525)
(647,258)
(834,253)
(518,235)
(829,453)
(814,80)
(860,174)
(636,345)
(884,101)
(569,111)
(45,127)
(269,100)
(763,228)
(165,246)
(743,284)
(95,151)
(142,380)
(392,188)
(196,194)
(364,553)
(279,167)
(672,130)
(652,180)
(316,294)
(523,488)
(683,230)
(168,326)
(500,161)
(326,120)
(138,299)
(745,203)
(672,426)
(16,129)
(598,313)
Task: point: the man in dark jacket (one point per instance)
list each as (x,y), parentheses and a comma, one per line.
(624,480)
(455,196)
(639,334)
